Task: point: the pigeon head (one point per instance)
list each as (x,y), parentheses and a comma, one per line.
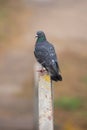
(40,36)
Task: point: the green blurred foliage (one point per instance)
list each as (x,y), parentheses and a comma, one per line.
(68,103)
(84,79)
(2,2)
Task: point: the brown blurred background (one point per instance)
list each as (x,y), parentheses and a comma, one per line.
(65,25)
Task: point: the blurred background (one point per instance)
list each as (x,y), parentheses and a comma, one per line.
(65,25)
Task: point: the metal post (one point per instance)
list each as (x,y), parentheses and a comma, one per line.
(44,100)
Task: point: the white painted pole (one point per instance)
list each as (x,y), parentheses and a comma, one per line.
(44,101)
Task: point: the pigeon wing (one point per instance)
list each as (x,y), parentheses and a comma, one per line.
(41,53)
(53,57)
(46,56)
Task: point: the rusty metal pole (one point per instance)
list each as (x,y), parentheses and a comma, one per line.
(44,102)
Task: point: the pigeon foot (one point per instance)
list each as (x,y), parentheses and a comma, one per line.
(42,71)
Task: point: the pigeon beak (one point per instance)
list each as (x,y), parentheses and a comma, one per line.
(36,35)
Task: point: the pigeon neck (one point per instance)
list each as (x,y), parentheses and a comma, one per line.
(41,39)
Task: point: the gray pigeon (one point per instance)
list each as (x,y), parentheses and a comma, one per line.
(46,56)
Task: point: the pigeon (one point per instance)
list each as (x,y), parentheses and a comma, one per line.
(46,56)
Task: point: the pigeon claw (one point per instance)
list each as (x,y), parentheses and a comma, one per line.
(42,71)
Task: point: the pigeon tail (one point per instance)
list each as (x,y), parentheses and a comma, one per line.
(56,77)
